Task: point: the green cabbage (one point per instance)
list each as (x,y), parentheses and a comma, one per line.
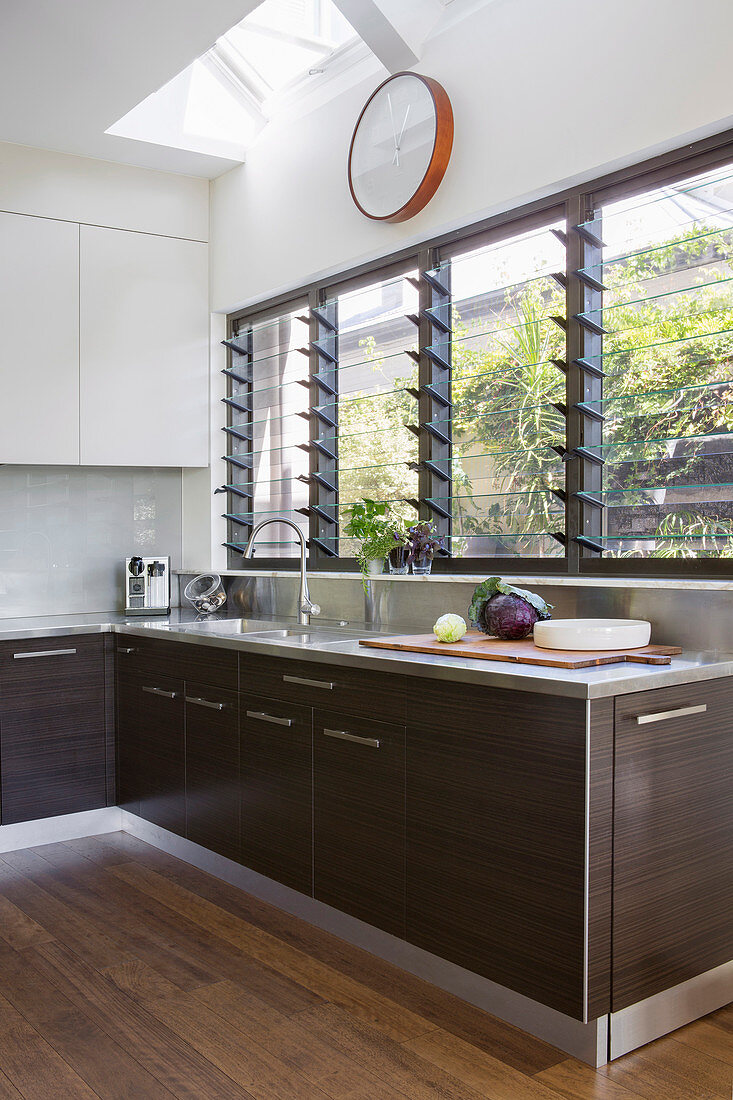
(450,628)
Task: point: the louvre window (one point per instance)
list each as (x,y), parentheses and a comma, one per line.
(267,431)
(554,391)
(666,349)
(498,350)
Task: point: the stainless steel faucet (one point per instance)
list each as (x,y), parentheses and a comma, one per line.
(306,607)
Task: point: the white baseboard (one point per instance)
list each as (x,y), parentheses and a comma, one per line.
(52,830)
(588,1042)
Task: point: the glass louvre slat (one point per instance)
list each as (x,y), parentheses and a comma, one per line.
(501,330)
(663,322)
(650,299)
(261,327)
(715,238)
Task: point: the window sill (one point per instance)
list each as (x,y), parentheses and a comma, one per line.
(471,578)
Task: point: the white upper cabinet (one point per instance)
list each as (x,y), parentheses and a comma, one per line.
(39,341)
(143,350)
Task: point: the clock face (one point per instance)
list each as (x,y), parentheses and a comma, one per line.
(398,142)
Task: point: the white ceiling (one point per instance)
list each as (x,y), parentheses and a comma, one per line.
(69,69)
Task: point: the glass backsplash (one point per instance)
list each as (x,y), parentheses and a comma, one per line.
(65,531)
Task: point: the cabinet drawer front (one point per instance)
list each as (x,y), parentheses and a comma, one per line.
(359,818)
(215,666)
(50,661)
(312,684)
(212,768)
(673,837)
(277,790)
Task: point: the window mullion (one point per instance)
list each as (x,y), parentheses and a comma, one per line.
(584,476)
(435,452)
(323,434)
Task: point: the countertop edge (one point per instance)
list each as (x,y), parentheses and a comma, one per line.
(593,683)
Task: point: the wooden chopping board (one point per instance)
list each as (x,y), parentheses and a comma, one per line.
(475,644)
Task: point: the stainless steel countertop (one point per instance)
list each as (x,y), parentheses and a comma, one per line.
(591,683)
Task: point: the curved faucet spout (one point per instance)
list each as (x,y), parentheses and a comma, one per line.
(306,607)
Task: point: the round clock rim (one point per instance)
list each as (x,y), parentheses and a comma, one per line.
(440,156)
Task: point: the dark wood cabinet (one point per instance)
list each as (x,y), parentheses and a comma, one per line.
(496,800)
(127,704)
(314,684)
(359,818)
(52,727)
(276,790)
(161,779)
(673,837)
(212,768)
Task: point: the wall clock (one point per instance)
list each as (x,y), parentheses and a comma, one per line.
(400,147)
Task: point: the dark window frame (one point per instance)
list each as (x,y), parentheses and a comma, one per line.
(576,206)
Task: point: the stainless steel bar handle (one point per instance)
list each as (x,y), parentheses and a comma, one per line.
(159,691)
(342,735)
(205,703)
(663,715)
(130,649)
(309,683)
(43,653)
(262,717)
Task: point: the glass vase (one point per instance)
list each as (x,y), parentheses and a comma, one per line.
(423,563)
(397,561)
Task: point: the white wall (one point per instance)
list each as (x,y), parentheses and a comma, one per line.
(94,192)
(544,94)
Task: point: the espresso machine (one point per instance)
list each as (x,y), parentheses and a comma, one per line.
(147,586)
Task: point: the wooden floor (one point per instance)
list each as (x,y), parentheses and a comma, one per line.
(125,973)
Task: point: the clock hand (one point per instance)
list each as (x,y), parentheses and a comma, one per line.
(402,131)
(396,157)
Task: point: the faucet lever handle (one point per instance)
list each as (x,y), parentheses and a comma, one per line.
(309,608)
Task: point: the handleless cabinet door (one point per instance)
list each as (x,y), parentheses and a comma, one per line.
(212,768)
(144,349)
(39,340)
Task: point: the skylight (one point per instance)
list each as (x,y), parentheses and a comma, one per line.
(284,39)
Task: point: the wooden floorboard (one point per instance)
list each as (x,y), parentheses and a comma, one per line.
(129,975)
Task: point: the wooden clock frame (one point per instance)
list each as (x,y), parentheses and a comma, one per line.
(442,148)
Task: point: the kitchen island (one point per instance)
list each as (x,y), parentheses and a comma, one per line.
(553,845)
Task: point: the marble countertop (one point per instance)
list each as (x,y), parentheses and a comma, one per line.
(339,646)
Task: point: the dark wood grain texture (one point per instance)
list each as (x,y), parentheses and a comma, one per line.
(496,836)
(352,690)
(359,818)
(673,846)
(600,856)
(52,727)
(277,790)
(161,779)
(212,769)
(478,645)
(214,665)
(128,701)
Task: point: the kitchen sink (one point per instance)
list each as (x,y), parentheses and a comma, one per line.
(263,631)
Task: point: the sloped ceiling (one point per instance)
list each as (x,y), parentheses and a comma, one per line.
(71,68)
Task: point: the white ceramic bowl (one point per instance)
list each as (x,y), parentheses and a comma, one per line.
(592,633)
